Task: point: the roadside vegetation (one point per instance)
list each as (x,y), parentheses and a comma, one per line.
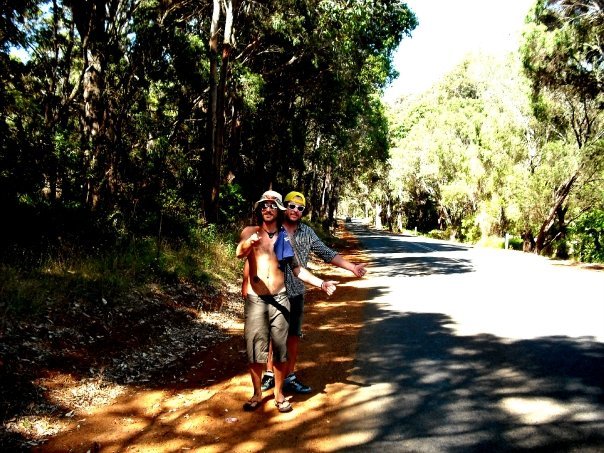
(504,145)
(69,272)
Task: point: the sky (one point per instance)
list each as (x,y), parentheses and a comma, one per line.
(447,31)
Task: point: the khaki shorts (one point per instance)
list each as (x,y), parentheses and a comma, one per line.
(266,319)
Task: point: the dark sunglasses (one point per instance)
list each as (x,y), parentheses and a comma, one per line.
(265,206)
(295,206)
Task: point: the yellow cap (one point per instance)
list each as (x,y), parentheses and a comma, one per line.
(296,197)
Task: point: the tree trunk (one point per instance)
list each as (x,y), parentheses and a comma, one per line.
(92,128)
(208,193)
(333,202)
(217,103)
(326,186)
(378,215)
(561,195)
(389,215)
(90,19)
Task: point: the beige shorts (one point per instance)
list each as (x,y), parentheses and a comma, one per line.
(266,320)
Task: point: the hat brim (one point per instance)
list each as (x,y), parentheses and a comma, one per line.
(297,200)
(277,202)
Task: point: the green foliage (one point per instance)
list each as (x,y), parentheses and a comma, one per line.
(586,237)
(132,143)
(471,147)
(498,242)
(67,278)
(104,274)
(563,47)
(457,146)
(251,86)
(444,235)
(562,55)
(516,243)
(320,118)
(470,230)
(492,242)
(233,206)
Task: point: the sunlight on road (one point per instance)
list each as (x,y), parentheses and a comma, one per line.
(513,296)
(543,410)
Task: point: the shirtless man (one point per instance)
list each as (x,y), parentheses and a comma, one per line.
(306,241)
(267,308)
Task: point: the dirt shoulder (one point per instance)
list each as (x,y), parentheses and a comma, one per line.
(190,396)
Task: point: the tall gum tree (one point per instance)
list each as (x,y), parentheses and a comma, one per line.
(563,55)
(223,13)
(102,27)
(91,18)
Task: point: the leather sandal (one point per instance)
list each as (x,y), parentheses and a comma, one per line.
(283,406)
(252,404)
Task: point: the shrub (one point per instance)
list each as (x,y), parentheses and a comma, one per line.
(440,234)
(207,259)
(586,237)
(515,243)
(493,242)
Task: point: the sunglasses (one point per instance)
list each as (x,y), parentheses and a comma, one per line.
(265,206)
(295,206)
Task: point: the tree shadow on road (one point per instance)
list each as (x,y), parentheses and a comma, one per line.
(436,391)
(397,255)
(409,266)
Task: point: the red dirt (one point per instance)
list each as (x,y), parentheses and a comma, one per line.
(201,410)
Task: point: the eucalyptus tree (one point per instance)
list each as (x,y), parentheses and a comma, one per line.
(96,100)
(563,55)
(74,51)
(321,65)
(101,39)
(289,81)
(455,147)
(132,110)
(222,25)
(412,176)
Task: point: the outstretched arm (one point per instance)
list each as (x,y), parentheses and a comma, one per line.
(331,256)
(328,286)
(357,269)
(246,276)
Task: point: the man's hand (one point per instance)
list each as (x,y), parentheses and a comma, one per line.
(253,239)
(359,270)
(329,287)
(245,245)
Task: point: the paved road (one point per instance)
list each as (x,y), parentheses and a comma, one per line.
(472,350)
